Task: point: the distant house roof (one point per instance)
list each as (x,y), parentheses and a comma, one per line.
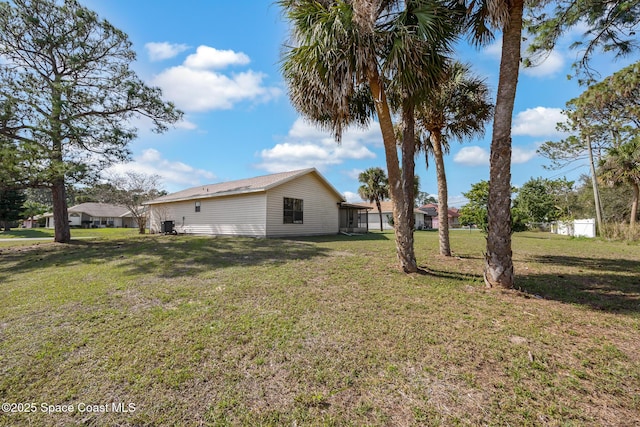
(242,186)
(431,209)
(98,210)
(385,206)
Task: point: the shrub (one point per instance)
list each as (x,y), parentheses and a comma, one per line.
(620,231)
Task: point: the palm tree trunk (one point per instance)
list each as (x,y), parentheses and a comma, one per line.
(408,149)
(498,270)
(443,205)
(379,213)
(403,233)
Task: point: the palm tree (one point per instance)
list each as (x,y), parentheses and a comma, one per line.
(347,56)
(506,16)
(621,165)
(457,109)
(610,28)
(374,188)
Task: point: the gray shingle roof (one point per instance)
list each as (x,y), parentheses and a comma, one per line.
(98,210)
(242,186)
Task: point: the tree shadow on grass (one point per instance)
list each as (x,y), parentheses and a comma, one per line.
(611,285)
(537,235)
(163,256)
(377,236)
(26,233)
(597,264)
(454,275)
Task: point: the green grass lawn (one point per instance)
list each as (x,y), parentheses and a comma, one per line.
(25,236)
(17,233)
(319,331)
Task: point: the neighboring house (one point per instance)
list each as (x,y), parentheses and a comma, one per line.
(426,216)
(96,215)
(31,222)
(429,216)
(295,203)
(374,217)
(387,213)
(454,218)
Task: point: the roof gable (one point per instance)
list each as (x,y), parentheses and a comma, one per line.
(242,186)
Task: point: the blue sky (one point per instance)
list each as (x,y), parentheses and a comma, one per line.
(219,62)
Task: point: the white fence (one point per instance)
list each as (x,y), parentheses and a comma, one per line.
(576,228)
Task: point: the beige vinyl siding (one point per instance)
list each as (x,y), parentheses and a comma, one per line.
(242,215)
(320,212)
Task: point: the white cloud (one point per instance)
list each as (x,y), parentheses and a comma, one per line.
(186,125)
(521,155)
(164,50)
(353,173)
(211,58)
(538,121)
(175,175)
(472,156)
(145,125)
(494,50)
(202,90)
(546,64)
(298,152)
(352,197)
(478,156)
(307,146)
(195,86)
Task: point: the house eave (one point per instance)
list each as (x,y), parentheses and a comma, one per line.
(205,196)
(354,206)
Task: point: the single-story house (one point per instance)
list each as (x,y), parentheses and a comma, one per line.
(31,222)
(96,215)
(295,203)
(429,216)
(374,217)
(426,216)
(387,213)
